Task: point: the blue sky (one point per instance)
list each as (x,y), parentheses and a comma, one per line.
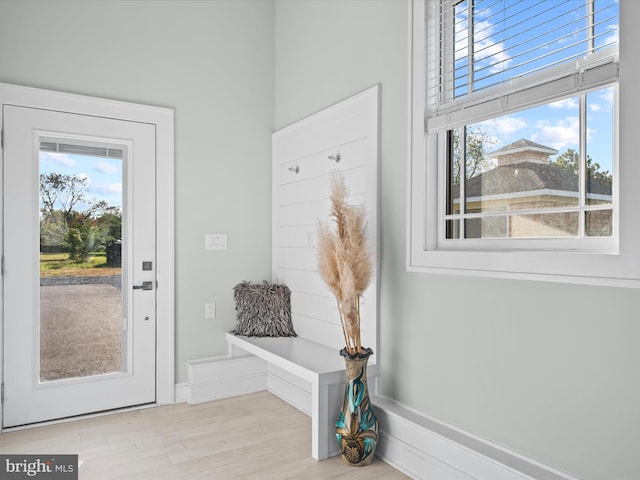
(556,125)
(515,37)
(518,37)
(103,175)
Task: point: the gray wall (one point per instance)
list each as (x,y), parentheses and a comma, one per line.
(548,370)
(213,62)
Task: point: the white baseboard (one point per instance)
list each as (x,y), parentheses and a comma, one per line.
(421,447)
(181,392)
(424,448)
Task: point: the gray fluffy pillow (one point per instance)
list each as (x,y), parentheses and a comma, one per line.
(263,310)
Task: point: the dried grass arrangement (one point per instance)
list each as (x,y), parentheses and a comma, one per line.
(345,260)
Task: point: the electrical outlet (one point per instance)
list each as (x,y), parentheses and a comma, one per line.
(210,310)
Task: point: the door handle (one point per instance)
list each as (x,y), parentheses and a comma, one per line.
(144,286)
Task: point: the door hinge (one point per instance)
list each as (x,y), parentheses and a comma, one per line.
(2,266)
(2,394)
(2,138)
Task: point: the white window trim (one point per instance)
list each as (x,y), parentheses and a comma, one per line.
(596,268)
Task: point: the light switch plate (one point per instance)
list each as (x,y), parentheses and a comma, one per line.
(210,310)
(215,241)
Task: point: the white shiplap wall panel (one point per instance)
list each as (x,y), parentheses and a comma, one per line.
(296,258)
(305,281)
(299,214)
(309,213)
(322,131)
(307,308)
(301,181)
(297,236)
(317,188)
(318,330)
(310,305)
(318,164)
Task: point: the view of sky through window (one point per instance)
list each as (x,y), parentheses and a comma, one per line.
(542,74)
(557,125)
(495,40)
(103,175)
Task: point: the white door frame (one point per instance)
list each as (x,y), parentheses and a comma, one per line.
(162,118)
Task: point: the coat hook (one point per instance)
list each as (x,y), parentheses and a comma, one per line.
(336,157)
(295,169)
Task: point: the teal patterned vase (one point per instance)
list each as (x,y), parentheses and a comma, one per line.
(357,427)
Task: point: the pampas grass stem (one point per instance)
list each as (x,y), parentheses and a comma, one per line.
(345,260)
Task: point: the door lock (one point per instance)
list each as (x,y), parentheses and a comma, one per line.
(144,286)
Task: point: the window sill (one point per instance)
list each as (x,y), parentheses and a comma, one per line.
(560,267)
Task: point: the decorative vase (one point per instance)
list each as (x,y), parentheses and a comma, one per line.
(357,426)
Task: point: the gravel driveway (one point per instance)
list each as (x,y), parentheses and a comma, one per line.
(80,327)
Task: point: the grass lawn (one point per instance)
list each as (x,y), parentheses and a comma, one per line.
(58,264)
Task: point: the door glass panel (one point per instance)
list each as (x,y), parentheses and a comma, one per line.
(81,303)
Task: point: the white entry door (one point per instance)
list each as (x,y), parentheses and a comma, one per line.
(79,257)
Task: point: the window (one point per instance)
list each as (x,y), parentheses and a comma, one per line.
(520,175)
(514,143)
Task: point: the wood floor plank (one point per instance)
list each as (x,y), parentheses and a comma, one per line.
(250,437)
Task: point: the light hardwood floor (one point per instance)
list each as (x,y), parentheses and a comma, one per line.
(251,437)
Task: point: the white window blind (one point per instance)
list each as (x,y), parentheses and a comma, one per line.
(499,55)
(76,149)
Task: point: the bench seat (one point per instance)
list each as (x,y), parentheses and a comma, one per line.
(321,366)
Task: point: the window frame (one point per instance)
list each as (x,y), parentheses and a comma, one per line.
(590,244)
(596,264)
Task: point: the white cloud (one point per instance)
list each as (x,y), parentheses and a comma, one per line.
(105,167)
(84,176)
(566,103)
(108,188)
(607,96)
(505,125)
(601,100)
(493,54)
(488,52)
(611,39)
(560,134)
(461,35)
(57,159)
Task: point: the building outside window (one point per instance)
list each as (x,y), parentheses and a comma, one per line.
(526,173)
(518,101)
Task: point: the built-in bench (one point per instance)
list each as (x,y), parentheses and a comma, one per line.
(320,371)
